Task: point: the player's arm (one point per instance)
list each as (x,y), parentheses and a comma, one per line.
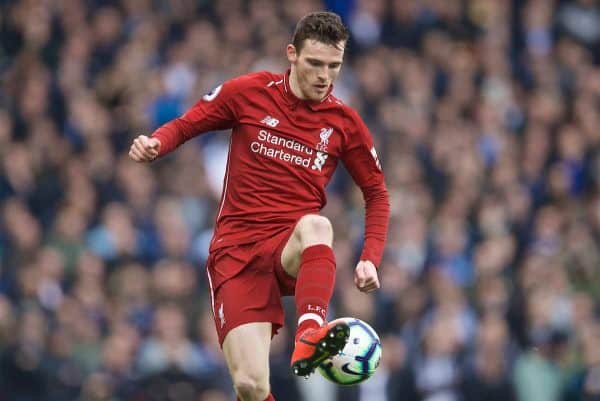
(214,111)
(360,159)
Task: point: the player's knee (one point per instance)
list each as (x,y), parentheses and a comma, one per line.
(315,229)
(250,387)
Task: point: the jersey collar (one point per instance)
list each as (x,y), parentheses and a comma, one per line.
(294,100)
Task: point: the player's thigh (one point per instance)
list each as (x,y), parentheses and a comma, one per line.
(246,350)
(311,229)
(290,255)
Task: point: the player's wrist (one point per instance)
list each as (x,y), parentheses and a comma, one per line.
(367,256)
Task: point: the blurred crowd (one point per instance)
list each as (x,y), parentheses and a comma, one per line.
(486,116)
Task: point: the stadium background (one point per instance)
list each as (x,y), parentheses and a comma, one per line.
(486,119)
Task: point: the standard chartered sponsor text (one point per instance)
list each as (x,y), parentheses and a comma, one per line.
(268,138)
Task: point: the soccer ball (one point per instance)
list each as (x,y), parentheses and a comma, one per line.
(358,360)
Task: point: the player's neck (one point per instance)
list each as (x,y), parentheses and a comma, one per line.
(294,86)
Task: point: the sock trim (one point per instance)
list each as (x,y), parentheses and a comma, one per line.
(311,316)
(317,251)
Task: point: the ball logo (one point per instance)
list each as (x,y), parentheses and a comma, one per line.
(210,96)
(346,369)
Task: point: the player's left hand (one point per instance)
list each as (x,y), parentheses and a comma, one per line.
(365,276)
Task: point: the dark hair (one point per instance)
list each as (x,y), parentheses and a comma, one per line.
(322,26)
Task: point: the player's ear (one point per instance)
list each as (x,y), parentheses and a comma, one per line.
(292,54)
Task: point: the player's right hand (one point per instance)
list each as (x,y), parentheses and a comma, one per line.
(144,149)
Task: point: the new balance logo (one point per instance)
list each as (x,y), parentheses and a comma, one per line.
(270,121)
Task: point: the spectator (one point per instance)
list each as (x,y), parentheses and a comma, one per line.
(485,117)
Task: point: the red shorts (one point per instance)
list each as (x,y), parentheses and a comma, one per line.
(254,293)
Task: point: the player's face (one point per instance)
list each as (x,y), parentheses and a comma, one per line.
(315,67)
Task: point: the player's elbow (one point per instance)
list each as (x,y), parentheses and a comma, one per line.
(377,194)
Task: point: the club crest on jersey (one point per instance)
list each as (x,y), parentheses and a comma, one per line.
(324,135)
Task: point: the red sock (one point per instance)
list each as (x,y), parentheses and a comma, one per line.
(269,398)
(314,286)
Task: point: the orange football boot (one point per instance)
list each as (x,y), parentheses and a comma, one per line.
(316,345)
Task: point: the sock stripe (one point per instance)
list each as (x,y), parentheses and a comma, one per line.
(313,285)
(311,258)
(308,300)
(311,316)
(319,252)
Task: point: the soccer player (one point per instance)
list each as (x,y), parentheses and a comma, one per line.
(288,134)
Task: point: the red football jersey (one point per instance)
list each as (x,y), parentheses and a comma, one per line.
(283,152)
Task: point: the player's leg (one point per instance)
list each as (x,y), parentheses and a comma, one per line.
(308,256)
(247,311)
(246,350)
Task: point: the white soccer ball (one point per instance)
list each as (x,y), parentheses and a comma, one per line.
(358,360)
